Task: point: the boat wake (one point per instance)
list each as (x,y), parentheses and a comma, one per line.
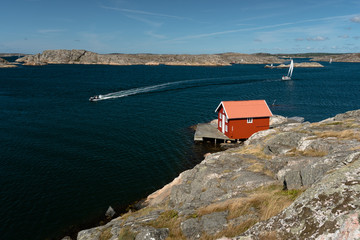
(134,91)
(184,84)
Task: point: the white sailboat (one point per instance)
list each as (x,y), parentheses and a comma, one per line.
(291,68)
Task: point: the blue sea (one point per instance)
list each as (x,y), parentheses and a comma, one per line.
(65,160)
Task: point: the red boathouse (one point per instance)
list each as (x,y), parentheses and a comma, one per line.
(241,119)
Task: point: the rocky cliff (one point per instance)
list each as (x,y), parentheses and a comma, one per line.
(87,57)
(293,181)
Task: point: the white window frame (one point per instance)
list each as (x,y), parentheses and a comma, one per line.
(226,128)
(220,124)
(249,120)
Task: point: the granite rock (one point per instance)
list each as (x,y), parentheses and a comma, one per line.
(322,157)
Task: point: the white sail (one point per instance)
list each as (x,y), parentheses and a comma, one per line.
(291,68)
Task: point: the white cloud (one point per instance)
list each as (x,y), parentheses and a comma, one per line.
(344,36)
(318,38)
(355,19)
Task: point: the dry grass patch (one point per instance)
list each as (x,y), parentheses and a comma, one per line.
(308,153)
(257,151)
(261,204)
(314,153)
(231,231)
(106,234)
(260,168)
(335,123)
(169,219)
(267,201)
(126,234)
(355,148)
(336,126)
(344,134)
(138,213)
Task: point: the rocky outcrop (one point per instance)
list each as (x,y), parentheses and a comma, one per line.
(297,180)
(350,57)
(6,64)
(87,57)
(298,65)
(330,209)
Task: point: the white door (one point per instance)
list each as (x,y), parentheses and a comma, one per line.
(223,123)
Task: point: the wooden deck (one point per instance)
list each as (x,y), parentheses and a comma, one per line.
(209,131)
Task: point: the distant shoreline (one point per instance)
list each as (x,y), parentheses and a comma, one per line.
(75,56)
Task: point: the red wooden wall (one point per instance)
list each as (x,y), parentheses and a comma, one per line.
(239,128)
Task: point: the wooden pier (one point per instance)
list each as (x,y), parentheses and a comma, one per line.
(209,131)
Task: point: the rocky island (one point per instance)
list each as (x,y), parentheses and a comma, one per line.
(297,65)
(87,57)
(349,57)
(297,180)
(6,64)
(75,56)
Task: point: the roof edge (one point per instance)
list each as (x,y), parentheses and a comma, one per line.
(217,109)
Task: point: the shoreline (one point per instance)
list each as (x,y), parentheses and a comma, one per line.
(101,220)
(282,161)
(75,56)
(152,198)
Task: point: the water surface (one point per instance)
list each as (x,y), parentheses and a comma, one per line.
(64,159)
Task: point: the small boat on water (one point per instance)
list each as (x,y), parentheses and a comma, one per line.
(95,98)
(291,68)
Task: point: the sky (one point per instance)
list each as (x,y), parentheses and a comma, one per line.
(180,26)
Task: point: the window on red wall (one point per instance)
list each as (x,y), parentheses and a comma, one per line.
(250,120)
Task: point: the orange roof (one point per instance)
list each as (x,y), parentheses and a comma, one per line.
(245,109)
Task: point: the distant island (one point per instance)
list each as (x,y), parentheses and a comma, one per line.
(6,64)
(297,65)
(87,57)
(75,56)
